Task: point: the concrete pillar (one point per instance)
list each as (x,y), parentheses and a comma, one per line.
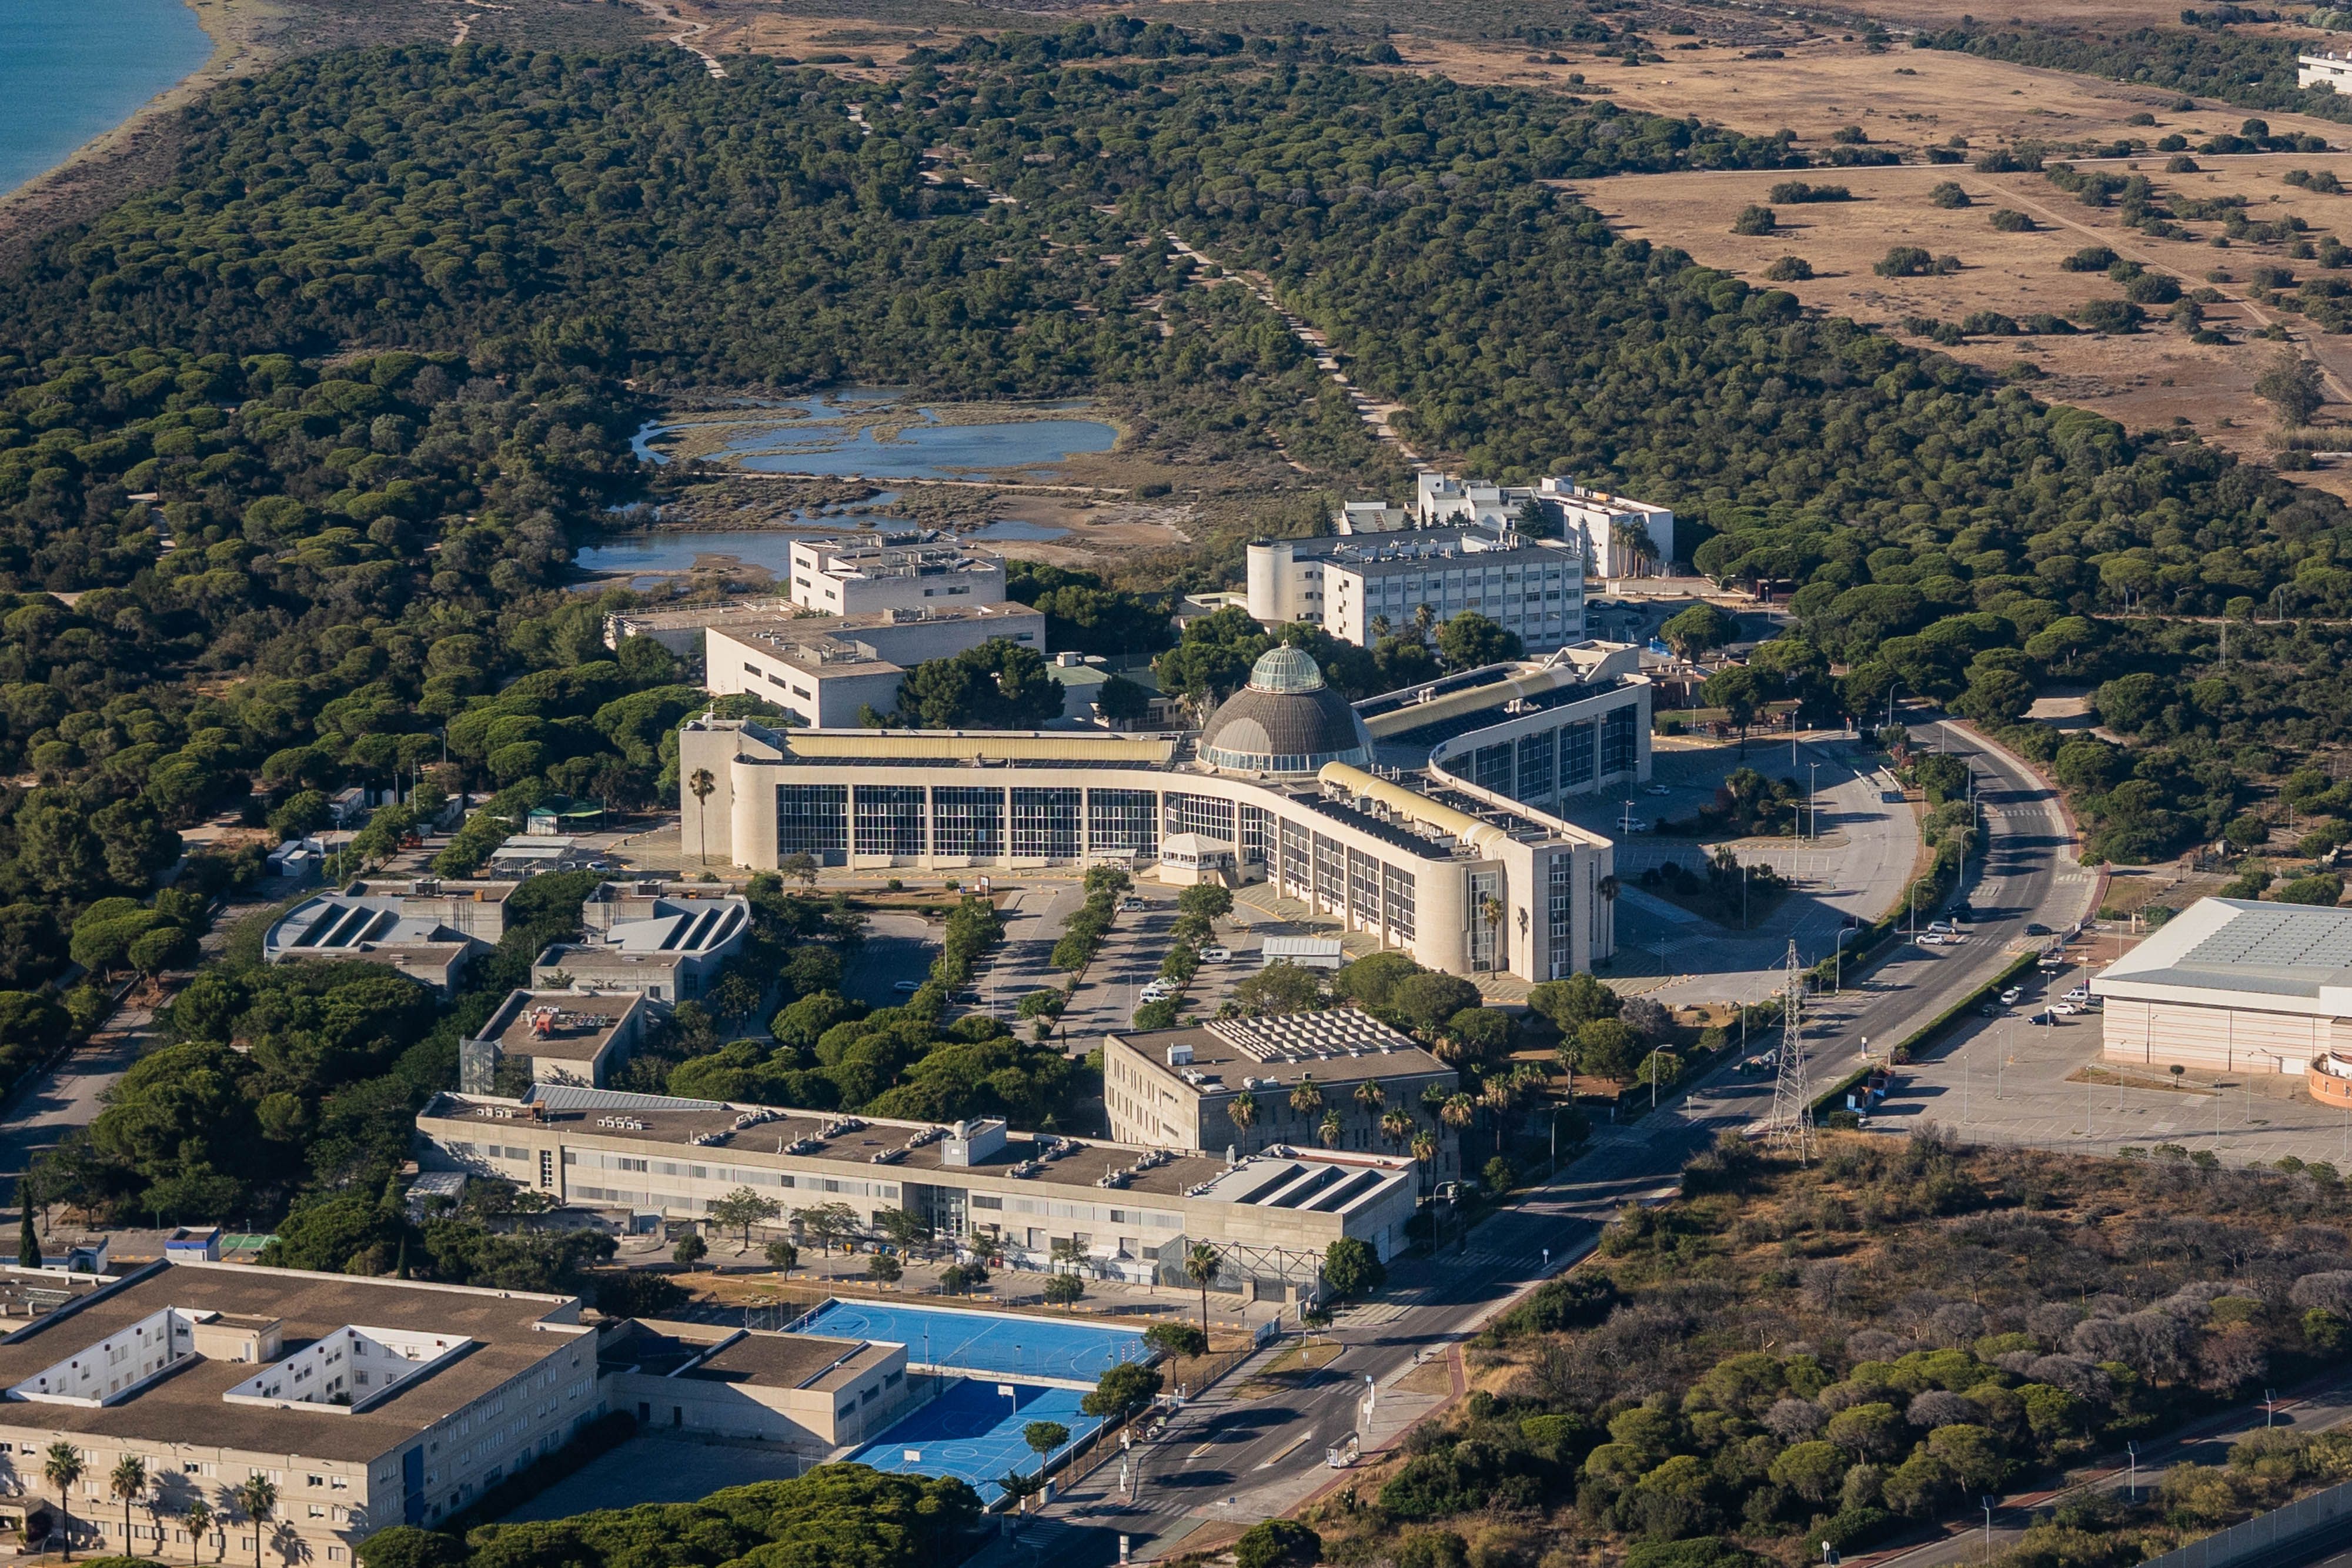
(752,841)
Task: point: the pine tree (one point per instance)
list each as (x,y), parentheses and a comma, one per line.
(28,1242)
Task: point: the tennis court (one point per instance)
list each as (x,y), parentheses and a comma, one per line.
(1003,1343)
(972,1431)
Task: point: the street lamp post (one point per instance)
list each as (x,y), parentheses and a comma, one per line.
(1812,817)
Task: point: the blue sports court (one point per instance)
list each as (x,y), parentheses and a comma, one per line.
(1002,1343)
(972,1431)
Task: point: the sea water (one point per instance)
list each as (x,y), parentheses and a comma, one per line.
(73,69)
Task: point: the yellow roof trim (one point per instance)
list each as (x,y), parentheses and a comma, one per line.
(1487,837)
(950,745)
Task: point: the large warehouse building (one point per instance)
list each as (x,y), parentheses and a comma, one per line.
(1436,863)
(2234,986)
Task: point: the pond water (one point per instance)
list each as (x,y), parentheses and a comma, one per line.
(769,548)
(820,437)
(1015,529)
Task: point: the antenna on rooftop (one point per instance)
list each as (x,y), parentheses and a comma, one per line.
(1791,1122)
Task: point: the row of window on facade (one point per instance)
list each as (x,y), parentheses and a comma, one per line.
(1537,766)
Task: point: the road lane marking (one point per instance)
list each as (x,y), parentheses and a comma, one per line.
(1287,1450)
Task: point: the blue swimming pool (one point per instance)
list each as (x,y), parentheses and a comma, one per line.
(1004,1343)
(973,1431)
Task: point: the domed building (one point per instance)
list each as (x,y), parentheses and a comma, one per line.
(1286,722)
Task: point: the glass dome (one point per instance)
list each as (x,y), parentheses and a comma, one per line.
(1286,669)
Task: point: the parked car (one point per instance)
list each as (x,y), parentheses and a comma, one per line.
(1130,904)
(2045,1016)
(2079,994)
(1941,927)
(2009,997)
(1635,825)
(1930,939)
(1216,955)
(1658,789)
(1990,1011)
(2067,1010)
(2035,928)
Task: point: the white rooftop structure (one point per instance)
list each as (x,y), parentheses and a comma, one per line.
(1310,1037)
(427,928)
(2234,985)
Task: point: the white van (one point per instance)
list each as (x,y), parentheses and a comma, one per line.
(1216,955)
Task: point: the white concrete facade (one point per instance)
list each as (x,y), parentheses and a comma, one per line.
(910,572)
(1356,586)
(825,673)
(2332,71)
(2233,986)
(1377,853)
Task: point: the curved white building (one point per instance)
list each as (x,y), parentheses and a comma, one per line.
(1461,876)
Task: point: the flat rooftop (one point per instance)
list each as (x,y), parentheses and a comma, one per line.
(578,1027)
(851,1142)
(187,1405)
(2296,950)
(710,1354)
(1340,1046)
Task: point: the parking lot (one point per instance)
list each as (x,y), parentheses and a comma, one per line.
(2009,1079)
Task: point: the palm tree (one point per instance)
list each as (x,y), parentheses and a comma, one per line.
(61,1467)
(1491,911)
(1433,1098)
(1201,1266)
(1458,1111)
(1371,1096)
(198,1517)
(1424,1152)
(1332,1129)
(702,785)
(1396,1125)
(258,1498)
(1307,1098)
(1242,1109)
(1633,541)
(128,1481)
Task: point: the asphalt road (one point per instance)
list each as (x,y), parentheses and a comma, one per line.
(1221,1459)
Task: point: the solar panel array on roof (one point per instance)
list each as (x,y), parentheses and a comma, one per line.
(577,1097)
(2297,938)
(1308,1037)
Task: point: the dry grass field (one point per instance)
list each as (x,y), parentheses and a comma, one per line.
(1905,100)
(2145,380)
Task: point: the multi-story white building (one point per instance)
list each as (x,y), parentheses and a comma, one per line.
(1284,773)
(1360,588)
(2329,69)
(1133,1212)
(894,571)
(365,1402)
(1180,1088)
(824,670)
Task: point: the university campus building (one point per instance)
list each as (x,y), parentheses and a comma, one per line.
(1130,1212)
(1466,876)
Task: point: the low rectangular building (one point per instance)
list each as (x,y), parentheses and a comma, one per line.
(428,929)
(2327,69)
(553,1037)
(667,944)
(680,631)
(826,670)
(1231,1084)
(809,1393)
(1130,1210)
(2233,986)
(366,1402)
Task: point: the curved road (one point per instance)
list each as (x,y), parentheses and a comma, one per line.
(1222,1459)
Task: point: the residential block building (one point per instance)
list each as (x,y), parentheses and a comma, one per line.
(1361,587)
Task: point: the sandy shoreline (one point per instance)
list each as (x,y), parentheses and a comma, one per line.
(102,169)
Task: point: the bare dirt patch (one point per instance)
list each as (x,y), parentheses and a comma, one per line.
(1906,99)
(2145,380)
(862,49)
